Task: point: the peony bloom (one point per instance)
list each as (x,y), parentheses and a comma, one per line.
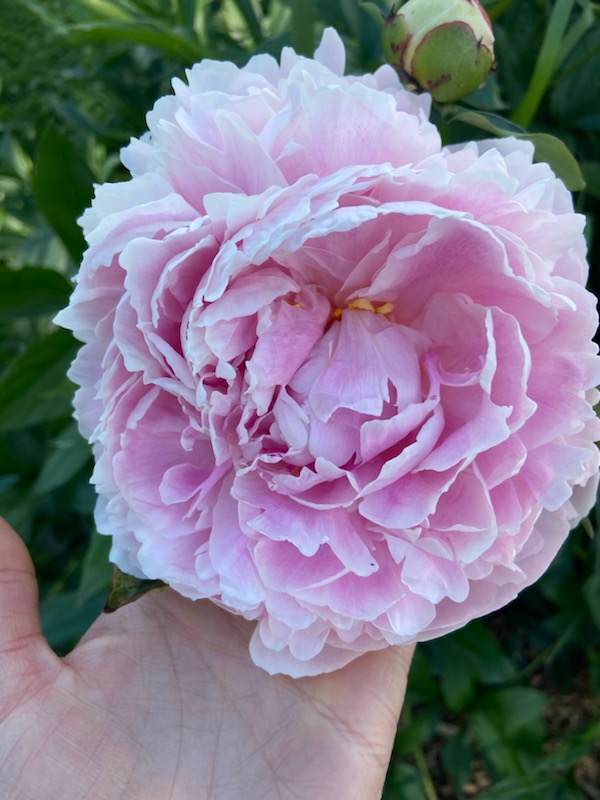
(338,379)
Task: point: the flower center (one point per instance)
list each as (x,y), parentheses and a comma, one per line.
(364,304)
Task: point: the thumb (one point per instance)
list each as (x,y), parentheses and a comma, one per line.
(20,628)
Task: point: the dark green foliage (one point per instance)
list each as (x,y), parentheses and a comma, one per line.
(511,704)
(60,172)
(508,707)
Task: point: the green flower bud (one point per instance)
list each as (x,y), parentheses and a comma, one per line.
(444,47)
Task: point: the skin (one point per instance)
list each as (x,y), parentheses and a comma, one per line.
(161,700)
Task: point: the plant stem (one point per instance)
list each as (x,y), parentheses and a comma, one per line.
(545,66)
(428,787)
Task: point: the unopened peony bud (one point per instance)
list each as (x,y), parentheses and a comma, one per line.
(445,47)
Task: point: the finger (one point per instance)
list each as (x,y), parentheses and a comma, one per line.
(19,615)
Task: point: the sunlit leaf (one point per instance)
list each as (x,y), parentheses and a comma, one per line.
(248,10)
(172,44)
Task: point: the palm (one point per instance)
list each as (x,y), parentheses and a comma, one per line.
(162,701)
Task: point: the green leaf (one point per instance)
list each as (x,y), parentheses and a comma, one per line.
(96,573)
(555,152)
(457,757)
(487,121)
(458,680)
(508,725)
(495,8)
(107,9)
(248,11)
(403,781)
(34,387)
(566,756)
(150,34)
(550,57)
(500,757)
(413,734)
(68,455)
(523,788)
(594,672)
(487,97)
(549,149)
(423,686)
(575,100)
(63,188)
(65,619)
(31,291)
(21,452)
(303,21)
(591,175)
(591,587)
(592,734)
(16,507)
(373,10)
(465,659)
(127,589)
(186,12)
(576,32)
(515,710)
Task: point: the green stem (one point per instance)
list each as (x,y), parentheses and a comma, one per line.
(428,787)
(548,59)
(303,18)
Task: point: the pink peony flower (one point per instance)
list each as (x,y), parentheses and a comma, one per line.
(338,379)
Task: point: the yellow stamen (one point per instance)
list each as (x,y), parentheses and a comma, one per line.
(362,304)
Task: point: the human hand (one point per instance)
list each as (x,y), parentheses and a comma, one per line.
(161,701)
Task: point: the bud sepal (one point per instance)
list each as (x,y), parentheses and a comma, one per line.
(444,48)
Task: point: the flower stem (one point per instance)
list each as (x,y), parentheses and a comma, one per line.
(545,66)
(428,787)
